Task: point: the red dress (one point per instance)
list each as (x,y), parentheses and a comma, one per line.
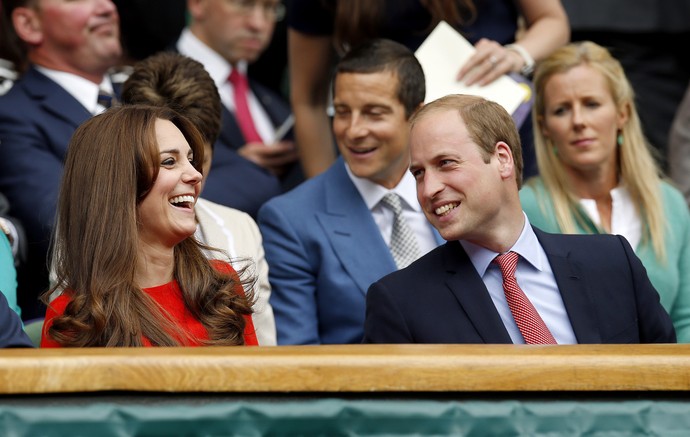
(169,297)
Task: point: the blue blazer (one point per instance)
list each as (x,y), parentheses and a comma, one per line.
(441,298)
(233,180)
(323,250)
(37,120)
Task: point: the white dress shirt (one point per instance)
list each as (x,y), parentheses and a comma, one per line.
(219,69)
(85,91)
(372,194)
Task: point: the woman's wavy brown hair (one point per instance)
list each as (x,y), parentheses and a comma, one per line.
(112,162)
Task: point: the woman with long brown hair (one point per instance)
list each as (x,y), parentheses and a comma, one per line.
(125,255)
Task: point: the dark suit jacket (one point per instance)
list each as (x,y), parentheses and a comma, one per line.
(11,332)
(37,119)
(442,299)
(233,180)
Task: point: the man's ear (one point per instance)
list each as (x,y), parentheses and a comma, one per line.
(504,156)
(27,25)
(196,9)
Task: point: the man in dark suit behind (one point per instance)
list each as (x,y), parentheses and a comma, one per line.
(466,159)
(225,36)
(70,48)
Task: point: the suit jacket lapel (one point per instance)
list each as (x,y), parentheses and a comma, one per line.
(275,107)
(470,291)
(53,98)
(351,230)
(577,301)
(230,133)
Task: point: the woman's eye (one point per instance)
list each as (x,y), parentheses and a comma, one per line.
(168,162)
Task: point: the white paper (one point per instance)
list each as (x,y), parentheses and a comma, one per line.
(443,53)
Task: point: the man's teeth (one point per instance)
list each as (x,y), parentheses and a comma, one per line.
(445,209)
(182,199)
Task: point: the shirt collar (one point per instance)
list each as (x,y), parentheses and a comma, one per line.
(218,68)
(85,91)
(527,246)
(372,193)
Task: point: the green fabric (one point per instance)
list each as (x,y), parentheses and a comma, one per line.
(8,274)
(671,279)
(338,417)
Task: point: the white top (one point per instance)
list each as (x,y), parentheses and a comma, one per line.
(625,218)
(372,194)
(219,69)
(536,279)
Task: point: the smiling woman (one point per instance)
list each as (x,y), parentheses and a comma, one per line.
(125,255)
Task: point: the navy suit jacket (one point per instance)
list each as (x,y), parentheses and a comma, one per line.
(11,331)
(233,180)
(441,298)
(323,250)
(37,120)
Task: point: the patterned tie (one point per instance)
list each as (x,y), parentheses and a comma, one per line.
(105,98)
(529,322)
(403,245)
(240,87)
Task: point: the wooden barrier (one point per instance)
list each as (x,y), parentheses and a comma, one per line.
(348,368)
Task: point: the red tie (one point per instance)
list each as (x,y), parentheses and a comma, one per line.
(529,322)
(240,87)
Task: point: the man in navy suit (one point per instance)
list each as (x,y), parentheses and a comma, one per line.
(224,36)
(467,163)
(70,47)
(327,240)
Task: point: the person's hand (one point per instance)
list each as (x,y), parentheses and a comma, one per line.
(488,63)
(274,157)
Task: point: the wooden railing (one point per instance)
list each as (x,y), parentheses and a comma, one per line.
(348,368)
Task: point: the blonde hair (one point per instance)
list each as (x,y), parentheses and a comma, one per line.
(638,169)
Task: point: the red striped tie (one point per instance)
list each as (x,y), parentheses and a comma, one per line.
(240,87)
(526,317)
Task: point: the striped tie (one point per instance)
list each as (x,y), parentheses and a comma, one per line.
(105,98)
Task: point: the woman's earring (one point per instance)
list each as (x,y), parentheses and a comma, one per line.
(619,139)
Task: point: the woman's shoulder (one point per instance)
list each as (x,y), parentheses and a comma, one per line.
(58,303)
(533,192)
(222,266)
(673,199)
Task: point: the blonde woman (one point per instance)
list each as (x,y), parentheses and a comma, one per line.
(597,174)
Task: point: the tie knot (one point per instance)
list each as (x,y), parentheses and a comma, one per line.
(105,98)
(393,202)
(236,78)
(508,263)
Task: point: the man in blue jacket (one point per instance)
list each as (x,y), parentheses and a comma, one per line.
(327,240)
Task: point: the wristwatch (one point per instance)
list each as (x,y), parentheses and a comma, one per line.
(528,68)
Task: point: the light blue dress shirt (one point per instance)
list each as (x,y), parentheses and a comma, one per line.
(536,279)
